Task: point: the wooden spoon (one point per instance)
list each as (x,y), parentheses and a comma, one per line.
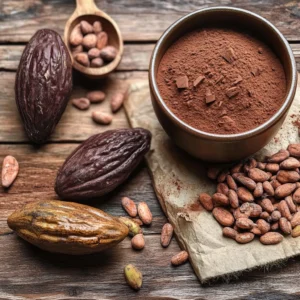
(88,11)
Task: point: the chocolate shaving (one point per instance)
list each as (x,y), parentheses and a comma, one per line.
(182,82)
(229,55)
(232,92)
(198,80)
(209,97)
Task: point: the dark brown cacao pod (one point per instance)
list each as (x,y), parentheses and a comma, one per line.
(43,84)
(102,163)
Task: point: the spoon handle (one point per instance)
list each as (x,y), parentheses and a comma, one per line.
(86,6)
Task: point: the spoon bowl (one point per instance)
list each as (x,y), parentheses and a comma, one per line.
(88,11)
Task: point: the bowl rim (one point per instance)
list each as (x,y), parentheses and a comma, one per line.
(214,136)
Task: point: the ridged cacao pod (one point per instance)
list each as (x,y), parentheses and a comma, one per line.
(67,227)
(43,84)
(101,163)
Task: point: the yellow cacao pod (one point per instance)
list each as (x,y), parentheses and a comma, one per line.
(67,227)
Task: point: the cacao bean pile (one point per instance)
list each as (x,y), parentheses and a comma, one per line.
(258,198)
(90,45)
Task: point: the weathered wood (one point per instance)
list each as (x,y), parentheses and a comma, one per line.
(136,56)
(137,21)
(75,125)
(38,169)
(29,273)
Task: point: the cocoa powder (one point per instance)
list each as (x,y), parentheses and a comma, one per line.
(221,80)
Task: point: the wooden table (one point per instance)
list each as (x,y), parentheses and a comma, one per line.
(29,273)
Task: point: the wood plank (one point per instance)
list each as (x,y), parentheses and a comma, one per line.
(29,273)
(138,21)
(136,56)
(38,169)
(67,129)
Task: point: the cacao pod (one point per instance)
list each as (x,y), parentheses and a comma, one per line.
(43,84)
(67,227)
(101,163)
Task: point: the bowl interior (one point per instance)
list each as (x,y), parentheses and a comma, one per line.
(114,39)
(234,18)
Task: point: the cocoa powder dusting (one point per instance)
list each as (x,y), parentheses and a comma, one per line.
(235,81)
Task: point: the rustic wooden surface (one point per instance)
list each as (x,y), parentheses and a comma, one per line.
(29,273)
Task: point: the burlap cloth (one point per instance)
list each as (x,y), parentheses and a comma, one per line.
(178,180)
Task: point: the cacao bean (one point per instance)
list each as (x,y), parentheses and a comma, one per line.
(296,196)
(67,227)
(81,103)
(83,59)
(284,210)
(206,201)
(246,181)
(133,277)
(116,101)
(221,199)
(258,175)
(295,221)
(222,188)
(108,53)
(294,150)
(233,199)
(285,190)
(77,49)
(258,190)
(97,26)
(102,40)
(89,41)
(296,231)
(271,238)
(132,226)
(138,242)
(290,163)
(238,214)
(263,226)
(287,176)
(93,53)
(101,117)
(279,156)
(236,168)
(222,176)
(244,238)
(244,223)
(179,258)
(268,188)
(76,36)
(231,183)
(101,163)
(271,167)
(267,205)
(166,235)
(285,226)
(266,216)
(129,206)
(261,165)
(223,216)
(255,230)
(252,210)
(10,170)
(250,164)
(229,232)
(275,184)
(244,195)
(213,172)
(96,96)
(291,204)
(86,27)
(97,62)
(43,96)
(275,226)
(276,215)
(144,213)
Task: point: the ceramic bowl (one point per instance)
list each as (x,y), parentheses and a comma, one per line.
(222,147)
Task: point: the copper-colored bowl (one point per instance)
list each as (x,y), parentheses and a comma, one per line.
(223,147)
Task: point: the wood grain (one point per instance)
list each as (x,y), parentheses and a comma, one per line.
(38,169)
(137,21)
(75,125)
(136,56)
